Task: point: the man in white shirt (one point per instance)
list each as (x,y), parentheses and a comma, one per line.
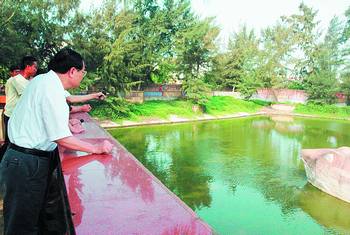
(15,85)
(14,88)
(38,124)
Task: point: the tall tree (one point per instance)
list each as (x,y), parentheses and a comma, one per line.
(240,63)
(277,46)
(306,33)
(34,27)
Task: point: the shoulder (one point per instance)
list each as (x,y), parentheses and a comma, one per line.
(50,85)
(19,77)
(45,79)
(10,80)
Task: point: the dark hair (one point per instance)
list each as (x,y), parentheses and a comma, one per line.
(27,61)
(66,59)
(14,67)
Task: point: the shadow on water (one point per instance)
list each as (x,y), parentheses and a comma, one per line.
(325,209)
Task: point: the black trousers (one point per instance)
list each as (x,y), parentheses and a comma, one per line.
(24,179)
(34,195)
(6,139)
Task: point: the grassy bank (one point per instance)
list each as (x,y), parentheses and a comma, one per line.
(329,111)
(118,110)
(221,105)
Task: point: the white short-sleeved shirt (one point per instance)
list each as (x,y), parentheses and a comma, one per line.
(66,94)
(41,115)
(14,88)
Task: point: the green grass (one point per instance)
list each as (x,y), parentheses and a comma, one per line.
(330,111)
(182,108)
(162,109)
(118,110)
(220,105)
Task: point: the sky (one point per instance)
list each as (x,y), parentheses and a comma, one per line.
(256,14)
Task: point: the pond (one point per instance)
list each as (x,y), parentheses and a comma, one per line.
(245,176)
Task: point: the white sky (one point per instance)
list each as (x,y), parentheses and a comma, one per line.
(257,14)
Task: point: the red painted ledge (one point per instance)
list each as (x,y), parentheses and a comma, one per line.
(116,194)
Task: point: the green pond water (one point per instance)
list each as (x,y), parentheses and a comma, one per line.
(245,176)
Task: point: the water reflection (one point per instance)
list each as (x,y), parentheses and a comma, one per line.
(325,209)
(87,177)
(240,167)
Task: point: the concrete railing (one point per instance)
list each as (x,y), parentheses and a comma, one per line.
(116,194)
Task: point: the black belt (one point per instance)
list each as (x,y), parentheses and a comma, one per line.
(37,152)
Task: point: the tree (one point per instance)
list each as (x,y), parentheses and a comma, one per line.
(277,46)
(320,61)
(345,74)
(240,63)
(196,48)
(321,85)
(345,86)
(35,27)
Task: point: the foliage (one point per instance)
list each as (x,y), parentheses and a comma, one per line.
(197,91)
(319,65)
(323,110)
(163,73)
(239,64)
(320,88)
(321,84)
(4,75)
(146,42)
(295,85)
(196,48)
(305,32)
(111,108)
(345,86)
(261,102)
(35,27)
(130,44)
(277,46)
(88,81)
(219,105)
(216,105)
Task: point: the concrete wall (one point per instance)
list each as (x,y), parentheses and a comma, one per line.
(236,95)
(172,92)
(281,95)
(135,97)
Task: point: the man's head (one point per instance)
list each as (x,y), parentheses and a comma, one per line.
(14,70)
(29,66)
(70,66)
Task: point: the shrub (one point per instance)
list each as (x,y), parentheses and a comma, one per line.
(111,108)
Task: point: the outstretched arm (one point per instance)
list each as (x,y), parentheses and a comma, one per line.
(84,98)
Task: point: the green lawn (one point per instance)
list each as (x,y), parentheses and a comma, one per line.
(217,105)
(330,111)
(221,105)
(162,109)
(116,110)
